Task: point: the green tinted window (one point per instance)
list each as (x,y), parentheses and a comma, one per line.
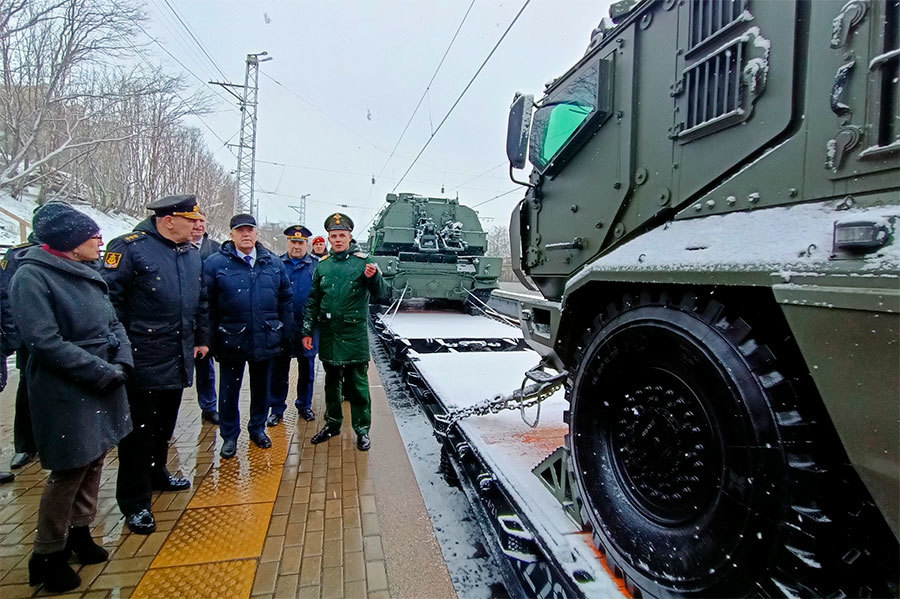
(563,122)
(562,113)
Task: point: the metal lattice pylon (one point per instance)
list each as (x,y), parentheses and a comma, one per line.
(245,202)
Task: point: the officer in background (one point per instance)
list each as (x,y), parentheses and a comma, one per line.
(206,370)
(250,310)
(23,437)
(155,285)
(318,247)
(299,266)
(338,308)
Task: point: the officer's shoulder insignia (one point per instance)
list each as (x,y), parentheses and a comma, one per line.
(3,264)
(134,236)
(112,260)
(26,244)
(325,257)
(362,255)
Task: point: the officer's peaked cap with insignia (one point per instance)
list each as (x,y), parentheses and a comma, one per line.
(297,233)
(185,205)
(338,222)
(242,220)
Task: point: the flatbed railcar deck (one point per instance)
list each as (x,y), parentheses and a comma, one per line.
(451,361)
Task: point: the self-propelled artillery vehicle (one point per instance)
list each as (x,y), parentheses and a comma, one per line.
(711,216)
(432,248)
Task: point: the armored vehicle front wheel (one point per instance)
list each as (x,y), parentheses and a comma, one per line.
(696,465)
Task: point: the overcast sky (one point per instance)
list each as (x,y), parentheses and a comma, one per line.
(345,79)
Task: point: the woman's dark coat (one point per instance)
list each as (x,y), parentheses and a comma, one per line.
(250,309)
(69,327)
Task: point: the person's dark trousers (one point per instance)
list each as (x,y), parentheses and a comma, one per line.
(69,499)
(350,382)
(306,378)
(23,436)
(206,384)
(143,452)
(231,374)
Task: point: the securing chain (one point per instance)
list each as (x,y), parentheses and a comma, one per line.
(527,396)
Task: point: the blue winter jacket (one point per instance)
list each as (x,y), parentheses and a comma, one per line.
(250,309)
(300,273)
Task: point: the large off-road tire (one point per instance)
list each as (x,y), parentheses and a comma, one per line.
(700,467)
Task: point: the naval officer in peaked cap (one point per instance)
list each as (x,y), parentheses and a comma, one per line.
(156,287)
(338,307)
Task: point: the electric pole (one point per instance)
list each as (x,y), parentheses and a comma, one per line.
(245,202)
(301,209)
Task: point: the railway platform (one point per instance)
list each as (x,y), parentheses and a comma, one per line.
(298,520)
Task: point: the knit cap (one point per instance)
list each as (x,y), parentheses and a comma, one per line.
(62,227)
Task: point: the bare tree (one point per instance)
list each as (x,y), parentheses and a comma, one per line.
(64,68)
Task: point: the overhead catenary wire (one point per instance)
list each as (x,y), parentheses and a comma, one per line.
(500,195)
(194,37)
(427,88)
(463,93)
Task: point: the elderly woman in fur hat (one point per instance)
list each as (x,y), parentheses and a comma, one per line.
(78,362)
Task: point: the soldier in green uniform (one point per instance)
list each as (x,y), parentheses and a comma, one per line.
(338,308)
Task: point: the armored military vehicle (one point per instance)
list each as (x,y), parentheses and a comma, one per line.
(432,248)
(711,216)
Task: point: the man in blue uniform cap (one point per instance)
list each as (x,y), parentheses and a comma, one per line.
(299,265)
(155,285)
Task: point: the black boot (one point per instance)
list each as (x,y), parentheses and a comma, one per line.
(51,570)
(82,543)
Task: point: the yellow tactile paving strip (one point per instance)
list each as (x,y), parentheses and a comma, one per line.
(226,520)
(216,534)
(228,580)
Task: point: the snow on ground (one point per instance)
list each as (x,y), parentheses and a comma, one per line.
(786,237)
(111,225)
(448,325)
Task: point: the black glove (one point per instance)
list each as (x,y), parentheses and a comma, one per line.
(119,377)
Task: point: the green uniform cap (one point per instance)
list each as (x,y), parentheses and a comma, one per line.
(338,222)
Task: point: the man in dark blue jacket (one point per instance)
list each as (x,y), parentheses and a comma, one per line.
(299,265)
(206,371)
(250,310)
(156,287)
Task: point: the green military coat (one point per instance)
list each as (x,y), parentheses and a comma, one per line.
(338,306)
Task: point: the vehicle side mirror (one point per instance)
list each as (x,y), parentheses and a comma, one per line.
(518,129)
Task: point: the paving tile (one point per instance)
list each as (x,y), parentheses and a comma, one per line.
(353,540)
(332,553)
(272,549)
(332,583)
(286,587)
(311,570)
(376,576)
(291,559)
(315,520)
(312,544)
(355,589)
(373,549)
(116,581)
(266,575)
(293,533)
(354,566)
